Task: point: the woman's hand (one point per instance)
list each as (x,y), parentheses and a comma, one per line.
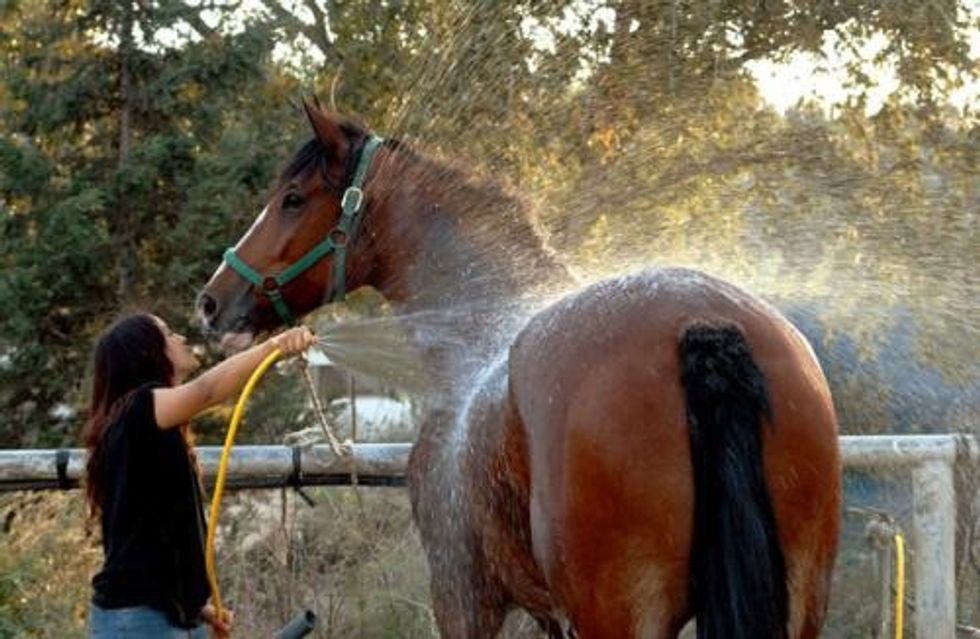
(294,341)
(220,627)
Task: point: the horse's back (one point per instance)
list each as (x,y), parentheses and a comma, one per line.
(596,382)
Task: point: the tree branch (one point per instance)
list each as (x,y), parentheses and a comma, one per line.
(319,19)
(315,33)
(194,21)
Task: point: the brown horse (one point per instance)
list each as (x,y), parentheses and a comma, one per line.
(643,451)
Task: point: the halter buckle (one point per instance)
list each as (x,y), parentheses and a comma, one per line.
(356,196)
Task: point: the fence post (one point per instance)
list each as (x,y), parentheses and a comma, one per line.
(935,561)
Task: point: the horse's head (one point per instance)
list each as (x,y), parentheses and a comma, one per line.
(306,248)
(350,210)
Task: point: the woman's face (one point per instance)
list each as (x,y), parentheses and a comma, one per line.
(180,355)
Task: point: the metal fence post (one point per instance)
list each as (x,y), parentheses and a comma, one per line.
(935,561)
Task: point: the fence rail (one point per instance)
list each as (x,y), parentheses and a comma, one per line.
(930,458)
(249,466)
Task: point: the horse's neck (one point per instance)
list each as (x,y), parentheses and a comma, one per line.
(474,413)
(470,257)
(472,247)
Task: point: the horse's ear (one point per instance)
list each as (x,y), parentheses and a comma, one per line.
(326,126)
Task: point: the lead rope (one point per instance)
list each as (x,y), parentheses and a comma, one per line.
(335,445)
(341,450)
(345,449)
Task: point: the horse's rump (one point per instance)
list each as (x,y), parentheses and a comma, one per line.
(596,381)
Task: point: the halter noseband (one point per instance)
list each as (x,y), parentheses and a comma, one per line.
(335,243)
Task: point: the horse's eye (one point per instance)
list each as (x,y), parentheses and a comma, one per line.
(292,201)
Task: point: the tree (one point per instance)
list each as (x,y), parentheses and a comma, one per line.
(127,152)
(137,138)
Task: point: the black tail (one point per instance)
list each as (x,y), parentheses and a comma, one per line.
(738,574)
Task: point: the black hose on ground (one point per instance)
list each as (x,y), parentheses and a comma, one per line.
(300,626)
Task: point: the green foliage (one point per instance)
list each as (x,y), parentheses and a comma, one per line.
(124,169)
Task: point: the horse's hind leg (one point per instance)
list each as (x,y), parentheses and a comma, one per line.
(809,589)
(809,550)
(626,628)
(637,602)
(809,510)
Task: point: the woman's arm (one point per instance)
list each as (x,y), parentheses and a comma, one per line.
(176,405)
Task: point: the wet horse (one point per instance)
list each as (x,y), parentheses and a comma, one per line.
(645,450)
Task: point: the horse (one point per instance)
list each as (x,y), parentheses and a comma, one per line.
(633,454)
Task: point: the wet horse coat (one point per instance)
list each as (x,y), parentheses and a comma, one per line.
(578,462)
(647,449)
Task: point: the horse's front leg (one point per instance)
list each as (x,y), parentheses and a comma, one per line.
(463,607)
(467,602)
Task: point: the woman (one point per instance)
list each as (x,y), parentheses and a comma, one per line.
(142,479)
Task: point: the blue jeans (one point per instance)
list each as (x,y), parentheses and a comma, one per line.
(138,622)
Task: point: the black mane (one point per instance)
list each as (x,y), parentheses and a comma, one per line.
(314,156)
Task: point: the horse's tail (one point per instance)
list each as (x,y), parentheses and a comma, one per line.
(738,573)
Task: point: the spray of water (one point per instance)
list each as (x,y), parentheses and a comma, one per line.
(422,352)
(860,230)
(378,348)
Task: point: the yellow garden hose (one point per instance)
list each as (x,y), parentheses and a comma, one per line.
(885,534)
(219,482)
(899,584)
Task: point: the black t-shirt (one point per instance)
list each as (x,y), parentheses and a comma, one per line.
(152,520)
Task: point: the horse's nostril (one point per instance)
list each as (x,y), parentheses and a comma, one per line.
(207,305)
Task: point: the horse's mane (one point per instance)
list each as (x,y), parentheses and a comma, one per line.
(315,156)
(474,200)
(487,204)
(494,221)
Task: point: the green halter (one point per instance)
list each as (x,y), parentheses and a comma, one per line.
(336,243)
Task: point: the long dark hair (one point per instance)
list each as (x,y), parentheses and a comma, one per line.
(129,354)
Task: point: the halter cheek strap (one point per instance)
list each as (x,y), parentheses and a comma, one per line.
(336,242)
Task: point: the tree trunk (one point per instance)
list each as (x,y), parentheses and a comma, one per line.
(124,242)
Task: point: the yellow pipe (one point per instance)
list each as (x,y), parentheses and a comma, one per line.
(899,584)
(219,482)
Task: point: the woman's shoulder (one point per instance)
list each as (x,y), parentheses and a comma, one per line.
(141,398)
(135,412)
